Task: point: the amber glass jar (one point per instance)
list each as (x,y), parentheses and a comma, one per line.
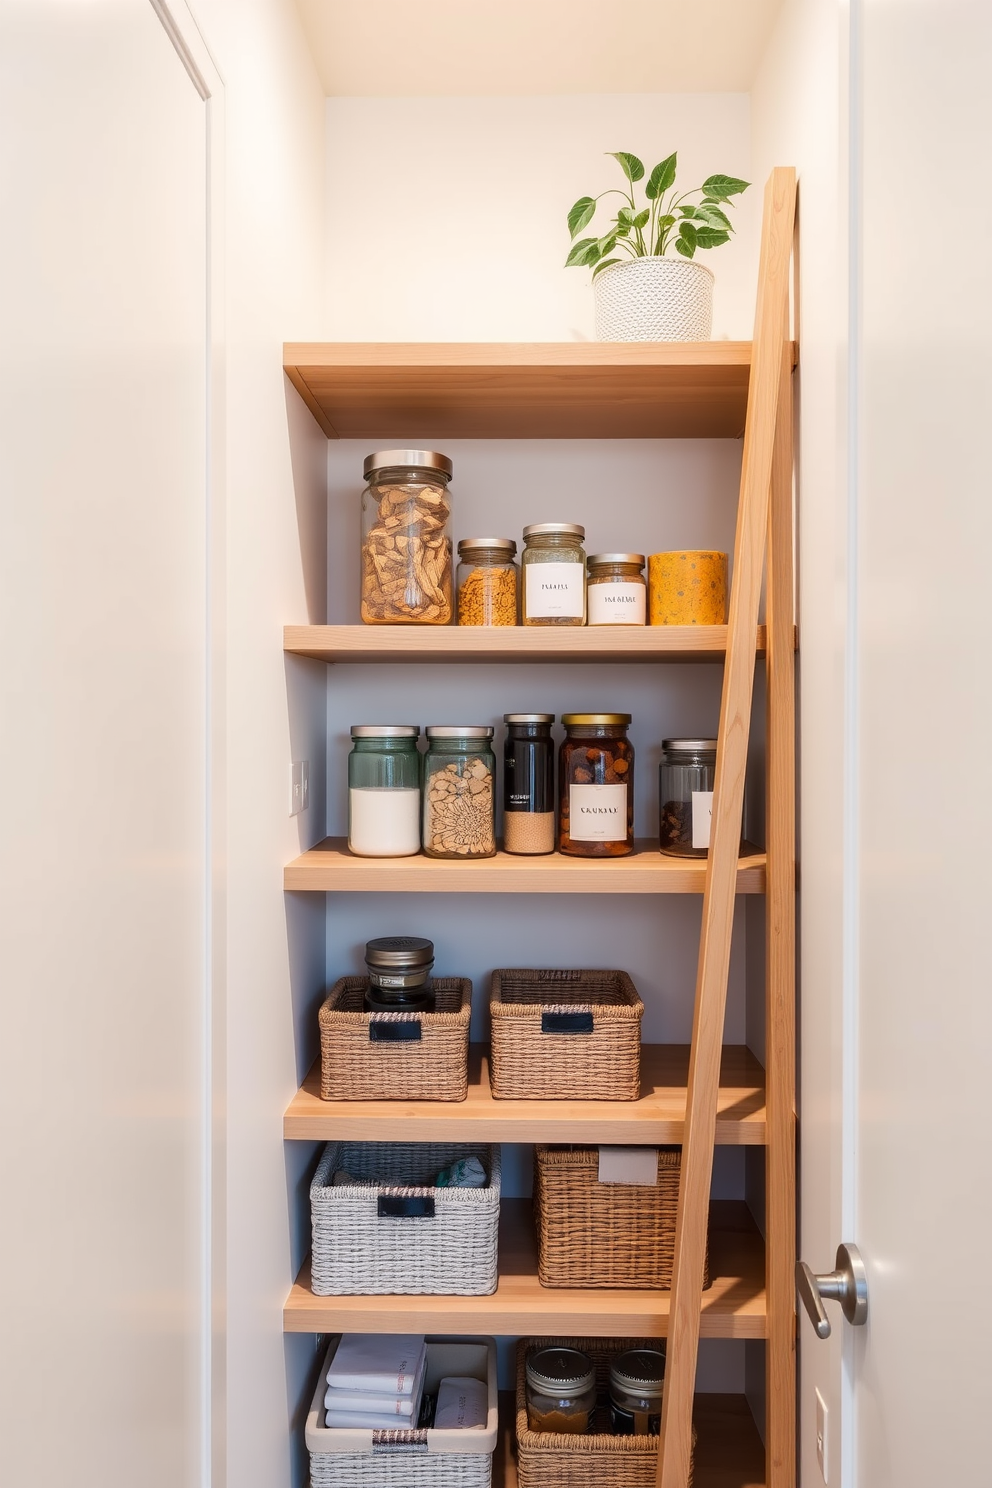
(596,786)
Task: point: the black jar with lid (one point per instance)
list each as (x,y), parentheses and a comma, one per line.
(399,968)
(529,784)
(637,1382)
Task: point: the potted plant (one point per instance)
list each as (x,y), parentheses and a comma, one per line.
(649,295)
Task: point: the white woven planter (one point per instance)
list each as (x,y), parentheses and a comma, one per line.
(654,299)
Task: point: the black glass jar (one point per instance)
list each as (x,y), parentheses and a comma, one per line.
(529,784)
(637,1382)
(399,968)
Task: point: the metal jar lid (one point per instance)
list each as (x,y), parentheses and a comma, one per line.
(545,529)
(528,718)
(641,1371)
(399,953)
(460,731)
(408,459)
(560,1371)
(689,746)
(494,544)
(577,720)
(637,558)
(385,731)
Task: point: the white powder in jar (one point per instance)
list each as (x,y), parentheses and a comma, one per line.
(383,821)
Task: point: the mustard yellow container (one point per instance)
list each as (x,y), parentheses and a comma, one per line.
(687,588)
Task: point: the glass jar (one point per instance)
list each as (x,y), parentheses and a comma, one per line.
(637,1383)
(554,572)
(616,593)
(529,783)
(384,791)
(458,792)
(487,581)
(596,786)
(406,538)
(685,796)
(561,1391)
(399,968)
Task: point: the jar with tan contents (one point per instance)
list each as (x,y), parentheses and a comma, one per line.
(616,593)
(487,581)
(406,539)
(596,786)
(529,783)
(458,792)
(561,1391)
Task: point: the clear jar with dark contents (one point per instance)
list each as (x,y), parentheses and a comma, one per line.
(637,1383)
(561,1391)
(686,778)
(399,968)
(596,786)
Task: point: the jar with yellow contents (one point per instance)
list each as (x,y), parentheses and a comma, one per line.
(688,587)
(487,581)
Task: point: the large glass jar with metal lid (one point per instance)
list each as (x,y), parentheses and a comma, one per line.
(406,538)
(458,792)
(487,581)
(637,1383)
(616,593)
(685,798)
(399,968)
(529,783)
(384,790)
(596,786)
(561,1391)
(554,574)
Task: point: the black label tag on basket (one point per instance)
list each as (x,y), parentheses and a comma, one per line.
(381,1032)
(406,1206)
(566,1023)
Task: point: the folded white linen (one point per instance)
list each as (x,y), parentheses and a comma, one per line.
(377,1403)
(347,1420)
(377,1363)
(462,1404)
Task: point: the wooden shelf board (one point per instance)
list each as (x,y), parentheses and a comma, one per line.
(505,390)
(519,643)
(331,868)
(729,1452)
(733,1306)
(656,1118)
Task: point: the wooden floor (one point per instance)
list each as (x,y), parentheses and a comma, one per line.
(733,1306)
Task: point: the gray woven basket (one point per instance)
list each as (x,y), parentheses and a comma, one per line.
(654,299)
(363,1242)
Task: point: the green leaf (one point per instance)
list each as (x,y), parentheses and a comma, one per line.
(689,211)
(721,188)
(661,178)
(579,252)
(605,264)
(683,248)
(607,244)
(711,237)
(712,215)
(581,215)
(631,166)
(641,220)
(686,241)
(625,217)
(664,223)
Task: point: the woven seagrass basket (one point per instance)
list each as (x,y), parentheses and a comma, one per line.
(395,1056)
(551,1459)
(393,1232)
(592,1234)
(556,1034)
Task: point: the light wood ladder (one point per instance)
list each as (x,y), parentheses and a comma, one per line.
(764,523)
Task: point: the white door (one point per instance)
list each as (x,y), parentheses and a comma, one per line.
(912,1389)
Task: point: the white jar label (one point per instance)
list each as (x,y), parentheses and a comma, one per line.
(597,813)
(616,604)
(702,812)
(555,589)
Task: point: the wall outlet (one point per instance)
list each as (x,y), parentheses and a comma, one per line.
(299,786)
(822,1416)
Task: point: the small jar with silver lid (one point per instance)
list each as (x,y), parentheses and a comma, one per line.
(554,574)
(616,593)
(459,766)
(487,581)
(406,538)
(686,778)
(399,968)
(561,1391)
(637,1383)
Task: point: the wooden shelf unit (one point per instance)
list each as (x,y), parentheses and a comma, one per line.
(733,1306)
(331,868)
(658,1116)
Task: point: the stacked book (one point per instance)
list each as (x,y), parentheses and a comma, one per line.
(376,1381)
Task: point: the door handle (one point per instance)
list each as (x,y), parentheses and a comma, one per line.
(846,1284)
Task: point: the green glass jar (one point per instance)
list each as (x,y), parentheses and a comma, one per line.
(384,791)
(458,792)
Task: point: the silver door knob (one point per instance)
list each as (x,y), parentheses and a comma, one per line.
(846,1284)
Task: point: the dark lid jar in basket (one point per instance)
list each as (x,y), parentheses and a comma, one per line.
(637,1382)
(561,1391)
(399,968)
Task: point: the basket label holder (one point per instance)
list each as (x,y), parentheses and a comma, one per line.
(567,1023)
(406,1206)
(383,1032)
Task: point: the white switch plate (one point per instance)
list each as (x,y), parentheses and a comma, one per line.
(822,1416)
(305,783)
(299,786)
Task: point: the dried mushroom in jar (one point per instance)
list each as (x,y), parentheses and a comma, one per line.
(459,817)
(406,542)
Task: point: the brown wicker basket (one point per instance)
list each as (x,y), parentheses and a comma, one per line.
(592,1234)
(551,1459)
(395,1056)
(556,1034)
